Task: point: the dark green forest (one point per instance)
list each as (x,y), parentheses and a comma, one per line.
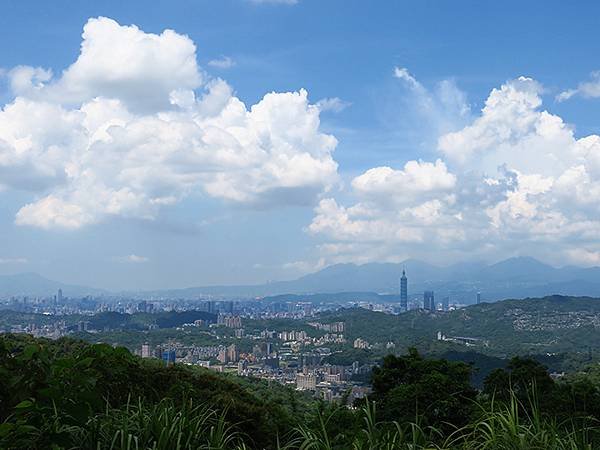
(67,394)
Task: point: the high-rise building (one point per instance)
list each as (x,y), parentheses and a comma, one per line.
(404,291)
(146,350)
(242,366)
(306,381)
(446,303)
(232,353)
(59,297)
(428,301)
(478,298)
(229,321)
(168,357)
(211,307)
(223,356)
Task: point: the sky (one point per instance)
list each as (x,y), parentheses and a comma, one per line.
(164,144)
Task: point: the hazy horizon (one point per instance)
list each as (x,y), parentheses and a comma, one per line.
(181,144)
(526,262)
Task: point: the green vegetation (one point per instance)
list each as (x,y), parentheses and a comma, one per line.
(59,392)
(67,394)
(9,318)
(109,320)
(134,339)
(256,326)
(435,390)
(349,355)
(549,325)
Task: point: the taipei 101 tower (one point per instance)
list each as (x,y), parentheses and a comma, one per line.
(404,291)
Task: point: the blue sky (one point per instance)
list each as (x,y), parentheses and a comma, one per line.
(453,55)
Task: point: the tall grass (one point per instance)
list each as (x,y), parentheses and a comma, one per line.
(372,435)
(163,426)
(511,426)
(508,426)
(167,426)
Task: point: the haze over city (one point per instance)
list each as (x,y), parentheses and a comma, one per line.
(181,144)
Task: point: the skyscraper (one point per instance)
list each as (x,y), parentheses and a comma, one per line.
(404,291)
(211,306)
(169,357)
(232,353)
(428,301)
(59,297)
(478,298)
(445,303)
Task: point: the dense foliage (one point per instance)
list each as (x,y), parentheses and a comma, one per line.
(49,389)
(436,391)
(67,394)
(108,320)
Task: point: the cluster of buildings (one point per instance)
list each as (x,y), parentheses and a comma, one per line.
(229,320)
(296,357)
(289,357)
(334,327)
(360,343)
(542,320)
(429,303)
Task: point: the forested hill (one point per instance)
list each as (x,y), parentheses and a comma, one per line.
(66,394)
(54,392)
(109,320)
(529,326)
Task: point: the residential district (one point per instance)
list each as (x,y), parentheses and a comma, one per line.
(295,357)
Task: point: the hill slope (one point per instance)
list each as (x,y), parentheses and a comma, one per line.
(555,324)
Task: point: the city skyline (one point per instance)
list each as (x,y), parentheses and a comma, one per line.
(183,145)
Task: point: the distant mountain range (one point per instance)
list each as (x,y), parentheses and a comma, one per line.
(32,284)
(512,278)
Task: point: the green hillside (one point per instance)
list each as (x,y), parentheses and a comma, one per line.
(553,324)
(67,394)
(72,382)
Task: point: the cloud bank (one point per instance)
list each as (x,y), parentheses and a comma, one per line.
(515,180)
(134,125)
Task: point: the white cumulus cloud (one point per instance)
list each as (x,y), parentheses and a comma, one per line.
(515,180)
(417,181)
(132,127)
